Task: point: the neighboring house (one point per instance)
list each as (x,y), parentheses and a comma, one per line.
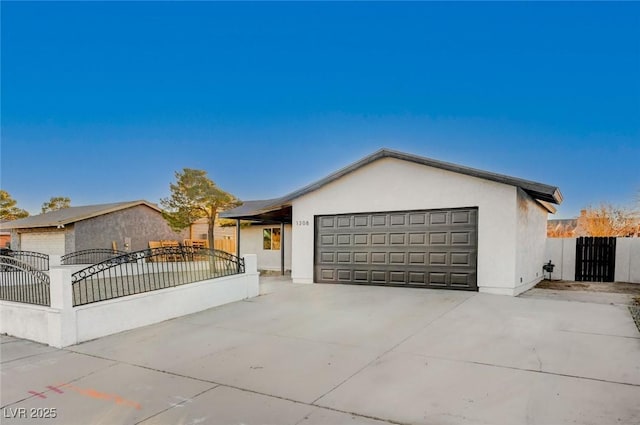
(224,236)
(200,229)
(562,228)
(398,219)
(5,239)
(131,225)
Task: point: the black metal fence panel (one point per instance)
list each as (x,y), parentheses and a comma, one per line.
(151,270)
(595,259)
(36,260)
(90,256)
(20,282)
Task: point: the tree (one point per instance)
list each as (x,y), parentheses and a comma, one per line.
(8,209)
(607,220)
(194,196)
(56,203)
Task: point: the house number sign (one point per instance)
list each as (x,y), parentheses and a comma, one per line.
(302,222)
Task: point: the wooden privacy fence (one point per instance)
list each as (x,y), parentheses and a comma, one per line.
(595,259)
(228,245)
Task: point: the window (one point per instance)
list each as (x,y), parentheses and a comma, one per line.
(271,238)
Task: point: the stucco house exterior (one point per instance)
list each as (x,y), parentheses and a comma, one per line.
(130,224)
(398,219)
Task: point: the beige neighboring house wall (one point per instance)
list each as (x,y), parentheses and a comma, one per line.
(200,228)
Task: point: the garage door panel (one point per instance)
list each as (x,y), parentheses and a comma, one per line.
(378,276)
(50,243)
(344,276)
(327,275)
(397,219)
(344,221)
(361,276)
(417,238)
(361,221)
(417,278)
(437,238)
(397,277)
(460,238)
(431,248)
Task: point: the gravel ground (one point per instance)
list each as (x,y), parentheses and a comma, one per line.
(612,287)
(635,311)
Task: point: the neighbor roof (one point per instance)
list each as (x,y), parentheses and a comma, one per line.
(72,214)
(539,191)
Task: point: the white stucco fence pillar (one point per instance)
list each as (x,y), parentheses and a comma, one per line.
(628,260)
(62,315)
(55,260)
(251,270)
(562,253)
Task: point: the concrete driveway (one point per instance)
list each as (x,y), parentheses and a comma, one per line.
(331,354)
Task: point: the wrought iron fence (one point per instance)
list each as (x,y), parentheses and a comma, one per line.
(20,282)
(150,270)
(90,256)
(36,260)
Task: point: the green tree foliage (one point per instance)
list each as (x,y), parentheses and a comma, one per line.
(56,203)
(194,196)
(8,209)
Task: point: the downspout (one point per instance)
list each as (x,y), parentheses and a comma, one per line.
(282,248)
(238,242)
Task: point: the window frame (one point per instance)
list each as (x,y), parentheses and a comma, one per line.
(268,235)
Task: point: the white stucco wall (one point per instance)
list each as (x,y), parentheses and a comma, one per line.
(628,260)
(62,324)
(25,320)
(531,236)
(251,243)
(562,253)
(120,314)
(391,184)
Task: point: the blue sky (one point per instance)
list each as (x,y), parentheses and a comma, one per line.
(103,102)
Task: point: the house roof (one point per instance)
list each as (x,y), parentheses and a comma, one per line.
(269,210)
(573,222)
(538,191)
(72,214)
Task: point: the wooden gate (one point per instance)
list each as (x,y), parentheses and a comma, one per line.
(595,259)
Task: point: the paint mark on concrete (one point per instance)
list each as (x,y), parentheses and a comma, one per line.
(55,389)
(37,394)
(99,395)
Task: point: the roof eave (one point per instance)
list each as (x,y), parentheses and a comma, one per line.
(537,190)
(64,222)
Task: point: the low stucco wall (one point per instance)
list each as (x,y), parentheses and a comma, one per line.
(26,320)
(121,314)
(62,324)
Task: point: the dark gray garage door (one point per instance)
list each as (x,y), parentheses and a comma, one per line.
(429,248)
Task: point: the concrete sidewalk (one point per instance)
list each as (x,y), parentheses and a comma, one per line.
(333,354)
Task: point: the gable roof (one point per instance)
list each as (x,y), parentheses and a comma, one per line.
(539,191)
(72,214)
